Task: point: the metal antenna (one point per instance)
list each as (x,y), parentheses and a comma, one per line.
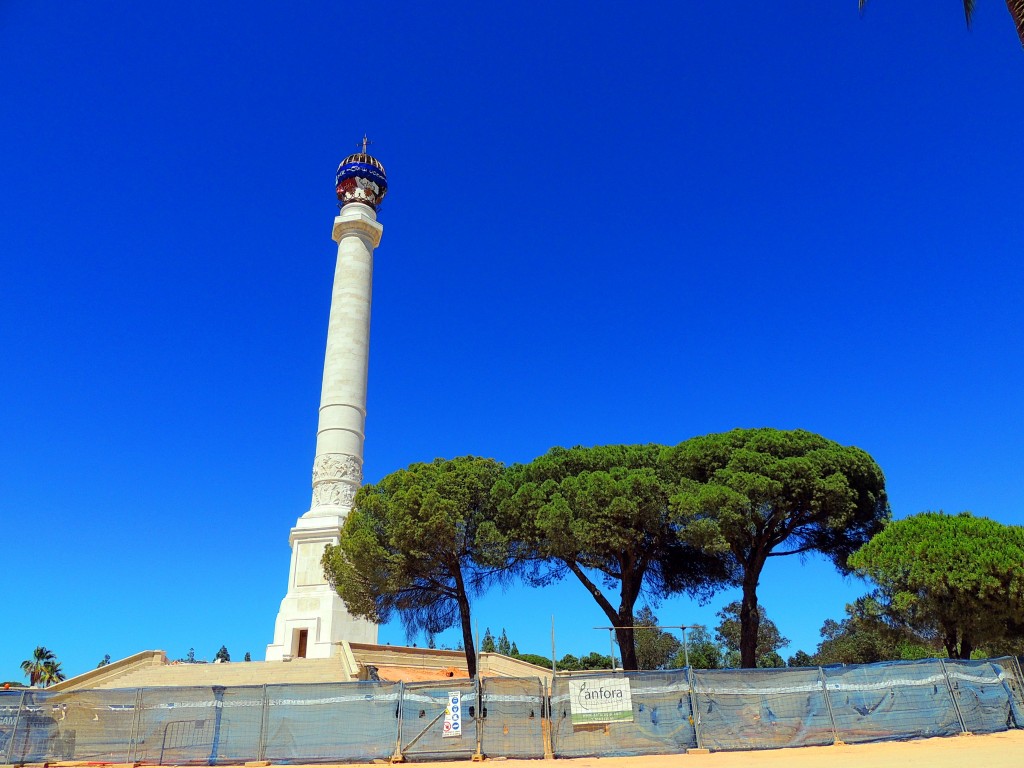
(366,143)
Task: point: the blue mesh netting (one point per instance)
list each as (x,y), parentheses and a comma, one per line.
(10,709)
(30,731)
(94,725)
(661,718)
(1010,667)
(512,722)
(891,700)
(761,708)
(981,694)
(596,714)
(423,710)
(327,722)
(179,725)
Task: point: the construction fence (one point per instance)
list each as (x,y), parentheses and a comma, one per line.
(596,714)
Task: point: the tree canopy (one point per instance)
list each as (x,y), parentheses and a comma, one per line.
(655,648)
(602,514)
(420,543)
(959,577)
(504,646)
(534,658)
(769,639)
(866,636)
(801,659)
(767,493)
(487,644)
(701,650)
(592,660)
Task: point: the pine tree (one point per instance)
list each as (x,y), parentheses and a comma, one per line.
(247,657)
(487,645)
(513,651)
(504,647)
(222,654)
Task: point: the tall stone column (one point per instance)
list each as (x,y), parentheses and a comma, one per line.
(312,618)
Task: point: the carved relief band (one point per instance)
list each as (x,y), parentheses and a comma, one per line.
(336,478)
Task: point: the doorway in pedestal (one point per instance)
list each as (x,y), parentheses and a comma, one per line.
(302,642)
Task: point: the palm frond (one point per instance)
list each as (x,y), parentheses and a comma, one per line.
(1016,8)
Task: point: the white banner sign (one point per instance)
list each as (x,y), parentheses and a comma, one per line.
(600,700)
(453,715)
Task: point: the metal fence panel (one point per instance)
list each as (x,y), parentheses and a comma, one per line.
(10,713)
(241,715)
(1010,668)
(981,695)
(891,700)
(659,721)
(178,726)
(512,716)
(95,726)
(598,714)
(34,733)
(423,717)
(331,722)
(762,708)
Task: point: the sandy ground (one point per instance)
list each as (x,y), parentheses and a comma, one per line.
(998,750)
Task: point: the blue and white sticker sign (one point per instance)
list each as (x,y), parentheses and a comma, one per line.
(453,715)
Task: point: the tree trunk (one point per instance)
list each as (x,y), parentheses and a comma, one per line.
(966,645)
(627,643)
(750,621)
(750,616)
(467,624)
(619,619)
(632,579)
(1016,8)
(949,641)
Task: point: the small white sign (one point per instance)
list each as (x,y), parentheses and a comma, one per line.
(453,715)
(600,700)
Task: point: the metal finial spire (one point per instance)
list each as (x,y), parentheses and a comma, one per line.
(366,143)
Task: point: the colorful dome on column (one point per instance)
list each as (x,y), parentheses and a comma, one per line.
(361,179)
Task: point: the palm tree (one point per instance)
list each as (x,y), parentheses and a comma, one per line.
(1016,8)
(35,667)
(1017,11)
(52,673)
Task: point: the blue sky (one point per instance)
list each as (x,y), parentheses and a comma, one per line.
(607,222)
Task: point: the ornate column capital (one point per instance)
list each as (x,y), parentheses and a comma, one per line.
(363,223)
